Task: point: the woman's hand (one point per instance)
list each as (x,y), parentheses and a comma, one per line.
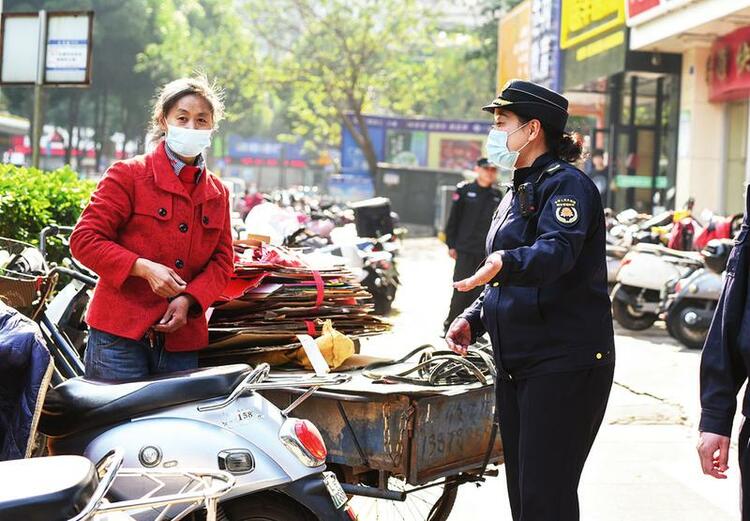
(176,315)
(164,281)
(458,336)
(713,451)
(486,273)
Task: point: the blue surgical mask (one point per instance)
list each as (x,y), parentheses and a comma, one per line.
(497,149)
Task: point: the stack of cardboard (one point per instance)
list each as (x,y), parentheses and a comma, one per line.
(276,294)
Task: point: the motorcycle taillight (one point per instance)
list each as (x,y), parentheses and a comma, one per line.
(303,439)
(311,440)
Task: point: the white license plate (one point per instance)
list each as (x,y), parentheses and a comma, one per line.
(334,489)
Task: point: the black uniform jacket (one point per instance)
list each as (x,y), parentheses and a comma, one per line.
(726,355)
(548,309)
(470,217)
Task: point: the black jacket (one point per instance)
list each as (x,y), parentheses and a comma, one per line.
(548,310)
(726,355)
(470,217)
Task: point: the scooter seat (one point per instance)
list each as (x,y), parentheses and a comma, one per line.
(81,404)
(55,488)
(657,249)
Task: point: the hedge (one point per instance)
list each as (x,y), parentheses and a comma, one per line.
(31,199)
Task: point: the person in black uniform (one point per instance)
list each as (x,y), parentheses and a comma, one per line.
(545,304)
(725,366)
(466,230)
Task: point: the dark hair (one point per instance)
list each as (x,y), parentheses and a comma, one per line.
(173,91)
(597,152)
(562,145)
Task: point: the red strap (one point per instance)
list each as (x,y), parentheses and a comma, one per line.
(310,327)
(320,286)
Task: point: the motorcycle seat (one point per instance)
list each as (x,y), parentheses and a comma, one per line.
(81,404)
(55,488)
(657,249)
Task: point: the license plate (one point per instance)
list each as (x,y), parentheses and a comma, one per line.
(334,489)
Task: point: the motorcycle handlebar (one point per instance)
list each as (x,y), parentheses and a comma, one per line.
(89,281)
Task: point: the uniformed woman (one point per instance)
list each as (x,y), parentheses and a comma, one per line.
(545,304)
(157,232)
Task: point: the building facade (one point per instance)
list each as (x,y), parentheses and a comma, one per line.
(713,38)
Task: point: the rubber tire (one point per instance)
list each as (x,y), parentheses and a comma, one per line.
(677,327)
(265,507)
(447,500)
(622,315)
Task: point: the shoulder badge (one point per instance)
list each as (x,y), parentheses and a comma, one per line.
(566,210)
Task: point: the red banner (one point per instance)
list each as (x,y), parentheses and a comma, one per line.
(636,7)
(728,67)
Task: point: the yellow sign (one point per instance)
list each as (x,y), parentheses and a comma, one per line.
(514,44)
(599,46)
(583,20)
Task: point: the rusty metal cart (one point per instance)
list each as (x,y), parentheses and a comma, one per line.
(401,451)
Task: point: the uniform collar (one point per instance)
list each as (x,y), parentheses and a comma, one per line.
(521,175)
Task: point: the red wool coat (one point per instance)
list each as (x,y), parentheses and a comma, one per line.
(141,209)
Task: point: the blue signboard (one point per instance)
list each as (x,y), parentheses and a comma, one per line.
(405,141)
(545,66)
(258,148)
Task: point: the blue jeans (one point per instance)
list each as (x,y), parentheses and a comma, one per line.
(112,357)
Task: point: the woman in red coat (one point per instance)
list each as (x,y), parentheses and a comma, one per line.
(157,231)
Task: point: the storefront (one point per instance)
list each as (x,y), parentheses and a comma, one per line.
(714,41)
(625,102)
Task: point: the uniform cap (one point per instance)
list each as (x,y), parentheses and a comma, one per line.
(534,101)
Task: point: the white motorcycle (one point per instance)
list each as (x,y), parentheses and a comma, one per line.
(643,274)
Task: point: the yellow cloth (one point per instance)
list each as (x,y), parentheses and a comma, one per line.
(335,347)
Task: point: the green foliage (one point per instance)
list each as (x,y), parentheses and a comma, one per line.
(31,199)
(328,59)
(204,36)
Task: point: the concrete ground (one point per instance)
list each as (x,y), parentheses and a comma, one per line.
(643,466)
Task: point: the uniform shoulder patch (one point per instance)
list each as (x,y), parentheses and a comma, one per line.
(566,210)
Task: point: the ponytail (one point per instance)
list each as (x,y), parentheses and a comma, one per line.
(565,146)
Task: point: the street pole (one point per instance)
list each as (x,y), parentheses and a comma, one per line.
(36,133)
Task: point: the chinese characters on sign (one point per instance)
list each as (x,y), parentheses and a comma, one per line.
(728,66)
(544,67)
(583,20)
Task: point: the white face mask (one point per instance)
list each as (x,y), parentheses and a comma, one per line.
(188,142)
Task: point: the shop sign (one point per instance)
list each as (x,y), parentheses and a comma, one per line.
(599,58)
(640,11)
(546,60)
(728,67)
(585,20)
(514,43)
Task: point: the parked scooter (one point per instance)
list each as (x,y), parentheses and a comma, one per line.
(691,304)
(637,296)
(207,418)
(373,259)
(75,490)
